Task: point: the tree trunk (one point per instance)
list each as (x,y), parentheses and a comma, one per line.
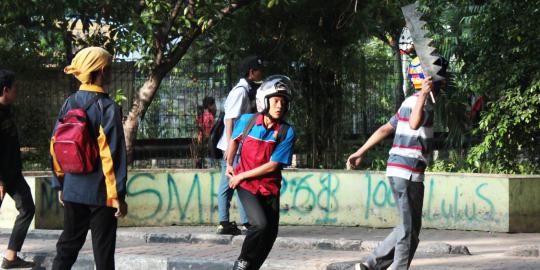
(164,64)
(138,109)
(363,95)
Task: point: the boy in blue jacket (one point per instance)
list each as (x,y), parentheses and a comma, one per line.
(93,200)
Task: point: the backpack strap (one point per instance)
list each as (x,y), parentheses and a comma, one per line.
(241,86)
(73,103)
(71,100)
(247,129)
(92,101)
(66,102)
(282,133)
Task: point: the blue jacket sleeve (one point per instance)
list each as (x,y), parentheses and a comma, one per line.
(112,149)
(284,150)
(239,127)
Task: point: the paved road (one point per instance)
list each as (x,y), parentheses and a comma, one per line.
(298,247)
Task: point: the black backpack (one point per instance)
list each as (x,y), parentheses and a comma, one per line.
(216,133)
(215,136)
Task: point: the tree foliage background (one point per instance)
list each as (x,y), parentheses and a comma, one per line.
(496,45)
(327,47)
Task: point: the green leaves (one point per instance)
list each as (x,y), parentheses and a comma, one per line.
(493,46)
(496,43)
(511,130)
(119,96)
(273,3)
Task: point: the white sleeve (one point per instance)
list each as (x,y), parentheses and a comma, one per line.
(235,103)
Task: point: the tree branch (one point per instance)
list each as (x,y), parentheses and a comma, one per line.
(172,17)
(383,38)
(162,34)
(191,8)
(182,47)
(160,51)
(228,10)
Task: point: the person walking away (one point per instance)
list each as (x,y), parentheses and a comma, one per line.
(91,184)
(12,182)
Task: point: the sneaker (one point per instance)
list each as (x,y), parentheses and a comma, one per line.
(228,228)
(244,228)
(241,265)
(17,263)
(361,266)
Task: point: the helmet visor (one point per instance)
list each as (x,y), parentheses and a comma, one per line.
(279,82)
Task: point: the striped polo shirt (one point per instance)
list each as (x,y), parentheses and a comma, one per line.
(411,148)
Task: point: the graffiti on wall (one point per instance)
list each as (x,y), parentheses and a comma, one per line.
(447,208)
(340,198)
(310,193)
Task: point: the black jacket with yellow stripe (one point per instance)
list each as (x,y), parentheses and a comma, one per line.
(107,184)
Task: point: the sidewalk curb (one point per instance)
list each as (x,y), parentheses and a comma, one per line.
(300,243)
(136,262)
(34,234)
(283,242)
(532,251)
(132,262)
(350,265)
(45,260)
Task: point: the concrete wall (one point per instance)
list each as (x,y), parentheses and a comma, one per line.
(451,201)
(524,207)
(8,212)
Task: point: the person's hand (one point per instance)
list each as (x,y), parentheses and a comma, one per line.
(122,209)
(2,191)
(229,171)
(61,197)
(354,160)
(199,137)
(235,181)
(427,85)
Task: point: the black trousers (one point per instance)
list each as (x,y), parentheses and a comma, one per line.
(78,218)
(21,194)
(263,215)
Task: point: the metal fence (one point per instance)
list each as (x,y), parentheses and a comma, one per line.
(166,136)
(173,111)
(167,129)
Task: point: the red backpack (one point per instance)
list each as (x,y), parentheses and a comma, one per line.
(74,145)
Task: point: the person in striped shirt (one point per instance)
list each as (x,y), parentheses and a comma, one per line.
(413,143)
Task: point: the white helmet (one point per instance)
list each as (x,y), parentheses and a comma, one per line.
(405,41)
(275,85)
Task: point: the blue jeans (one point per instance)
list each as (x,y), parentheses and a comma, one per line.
(225,195)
